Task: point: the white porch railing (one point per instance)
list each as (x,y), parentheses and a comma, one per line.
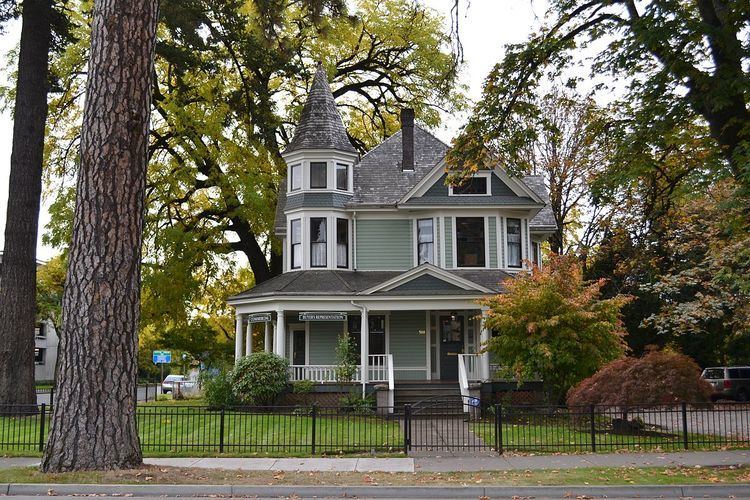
(469,370)
(379,369)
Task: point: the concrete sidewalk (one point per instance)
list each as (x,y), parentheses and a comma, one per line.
(446,464)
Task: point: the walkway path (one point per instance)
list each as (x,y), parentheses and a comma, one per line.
(446,463)
(452,437)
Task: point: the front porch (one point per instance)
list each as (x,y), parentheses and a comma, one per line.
(397,345)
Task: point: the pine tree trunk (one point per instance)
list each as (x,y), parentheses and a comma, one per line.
(18,275)
(93,421)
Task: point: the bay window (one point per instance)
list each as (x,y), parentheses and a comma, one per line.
(296,241)
(318,242)
(296,177)
(342,176)
(318,175)
(342,243)
(513,233)
(425,241)
(470,242)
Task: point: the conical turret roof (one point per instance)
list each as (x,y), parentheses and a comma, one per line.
(320,126)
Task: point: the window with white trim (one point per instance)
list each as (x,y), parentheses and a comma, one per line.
(318,242)
(470,249)
(342,243)
(295,261)
(425,241)
(318,175)
(535,253)
(513,237)
(477,185)
(342,177)
(295,175)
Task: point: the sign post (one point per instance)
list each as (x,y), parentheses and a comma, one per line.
(161,358)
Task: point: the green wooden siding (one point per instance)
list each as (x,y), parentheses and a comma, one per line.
(492,235)
(408,347)
(448,242)
(323,337)
(384,244)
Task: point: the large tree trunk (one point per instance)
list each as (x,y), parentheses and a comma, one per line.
(18,275)
(93,421)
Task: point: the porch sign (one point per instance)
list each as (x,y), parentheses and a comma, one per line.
(322,316)
(259,317)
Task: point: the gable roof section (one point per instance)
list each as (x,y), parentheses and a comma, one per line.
(320,125)
(378,178)
(545,219)
(440,279)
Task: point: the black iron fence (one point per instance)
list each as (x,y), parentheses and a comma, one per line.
(427,427)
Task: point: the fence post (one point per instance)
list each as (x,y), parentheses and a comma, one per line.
(593,428)
(407,428)
(499,428)
(221,432)
(314,418)
(684,425)
(42,418)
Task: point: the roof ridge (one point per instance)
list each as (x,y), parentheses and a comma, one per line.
(298,274)
(423,129)
(336,273)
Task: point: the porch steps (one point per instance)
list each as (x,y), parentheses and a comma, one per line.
(429,398)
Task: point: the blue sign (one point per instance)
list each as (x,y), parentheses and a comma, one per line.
(162,357)
(475,402)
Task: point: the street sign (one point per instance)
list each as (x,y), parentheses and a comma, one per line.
(322,316)
(162,357)
(259,317)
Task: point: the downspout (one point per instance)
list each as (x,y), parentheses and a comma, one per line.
(364,332)
(354,240)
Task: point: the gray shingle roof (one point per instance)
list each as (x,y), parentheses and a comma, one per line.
(378,178)
(320,125)
(329,282)
(545,219)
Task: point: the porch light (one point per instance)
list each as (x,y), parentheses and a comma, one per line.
(454,316)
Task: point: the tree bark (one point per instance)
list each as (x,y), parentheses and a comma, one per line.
(18,274)
(93,421)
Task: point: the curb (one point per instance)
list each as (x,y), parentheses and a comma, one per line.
(197,490)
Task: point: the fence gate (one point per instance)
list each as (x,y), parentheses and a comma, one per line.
(455,425)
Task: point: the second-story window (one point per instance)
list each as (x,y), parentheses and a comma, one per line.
(318,175)
(514,242)
(296,175)
(473,186)
(342,243)
(342,176)
(296,239)
(318,240)
(470,241)
(535,253)
(425,241)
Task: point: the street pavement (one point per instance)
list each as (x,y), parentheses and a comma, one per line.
(447,463)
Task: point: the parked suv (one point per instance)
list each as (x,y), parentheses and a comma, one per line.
(729,382)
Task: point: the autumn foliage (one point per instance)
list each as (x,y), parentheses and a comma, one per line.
(552,324)
(658,378)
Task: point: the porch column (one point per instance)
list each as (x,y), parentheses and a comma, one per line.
(267,343)
(238,331)
(484,360)
(364,347)
(279,346)
(249,339)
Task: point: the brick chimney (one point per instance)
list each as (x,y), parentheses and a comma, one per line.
(407,139)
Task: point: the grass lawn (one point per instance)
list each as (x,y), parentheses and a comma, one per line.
(179,428)
(565,438)
(551,477)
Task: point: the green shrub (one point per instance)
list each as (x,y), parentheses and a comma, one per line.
(218,390)
(259,379)
(355,403)
(346,359)
(303,387)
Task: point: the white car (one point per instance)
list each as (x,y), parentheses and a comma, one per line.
(176,383)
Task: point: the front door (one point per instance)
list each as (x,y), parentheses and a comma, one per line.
(298,347)
(451,345)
